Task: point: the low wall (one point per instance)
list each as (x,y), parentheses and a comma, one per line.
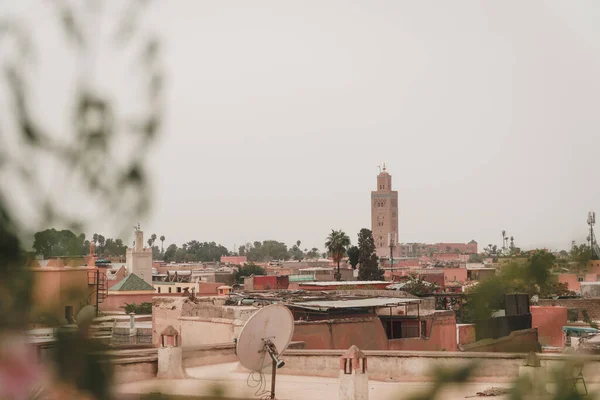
(417,366)
(522,341)
(141,364)
(209,355)
(134,369)
(591,305)
(366,333)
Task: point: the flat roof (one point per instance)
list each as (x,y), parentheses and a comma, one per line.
(316,269)
(345,283)
(324,305)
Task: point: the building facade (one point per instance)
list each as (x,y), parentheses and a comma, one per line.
(384,213)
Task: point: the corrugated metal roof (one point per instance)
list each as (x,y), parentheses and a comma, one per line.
(344,283)
(355,303)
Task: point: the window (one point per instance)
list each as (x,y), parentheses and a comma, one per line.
(580,279)
(178,290)
(169,290)
(159,289)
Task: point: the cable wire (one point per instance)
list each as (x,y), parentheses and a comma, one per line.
(256,379)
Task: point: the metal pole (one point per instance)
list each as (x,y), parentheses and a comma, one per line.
(419,317)
(273,375)
(97,290)
(391,324)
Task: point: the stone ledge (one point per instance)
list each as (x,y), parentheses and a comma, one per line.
(226,321)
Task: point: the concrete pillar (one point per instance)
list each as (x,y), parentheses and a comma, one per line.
(170,355)
(354,378)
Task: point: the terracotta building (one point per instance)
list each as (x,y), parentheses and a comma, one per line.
(384,213)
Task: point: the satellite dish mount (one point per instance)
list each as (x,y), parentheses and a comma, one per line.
(267,332)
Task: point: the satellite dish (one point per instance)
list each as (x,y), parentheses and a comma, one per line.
(274,323)
(264,337)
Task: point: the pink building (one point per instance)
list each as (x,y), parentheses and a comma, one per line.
(455,275)
(235,260)
(421,249)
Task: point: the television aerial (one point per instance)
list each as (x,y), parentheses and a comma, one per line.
(591,220)
(264,337)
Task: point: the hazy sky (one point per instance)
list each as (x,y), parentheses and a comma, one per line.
(278,112)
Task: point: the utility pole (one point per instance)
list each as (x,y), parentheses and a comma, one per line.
(392,243)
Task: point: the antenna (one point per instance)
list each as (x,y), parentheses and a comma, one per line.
(264,337)
(591,220)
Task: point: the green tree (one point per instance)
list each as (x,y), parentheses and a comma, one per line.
(101,242)
(540,267)
(266,251)
(419,287)
(169,254)
(580,256)
(247,270)
(336,244)
(369,269)
(162,243)
(53,243)
(313,253)
(353,254)
(295,253)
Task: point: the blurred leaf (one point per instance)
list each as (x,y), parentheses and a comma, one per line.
(78,363)
(151,126)
(69,24)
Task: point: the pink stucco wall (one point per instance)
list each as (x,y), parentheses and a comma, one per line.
(237,260)
(549,321)
(466,334)
(571,281)
(455,274)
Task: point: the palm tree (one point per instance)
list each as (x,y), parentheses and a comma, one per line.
(298,243)
(95,238)
(101,241)
(153,238)
(336,244)
(504,239)
(162,243)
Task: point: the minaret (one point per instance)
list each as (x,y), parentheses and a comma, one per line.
(139,259)
(384,213)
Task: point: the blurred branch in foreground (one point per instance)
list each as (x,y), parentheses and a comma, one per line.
(99,161)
